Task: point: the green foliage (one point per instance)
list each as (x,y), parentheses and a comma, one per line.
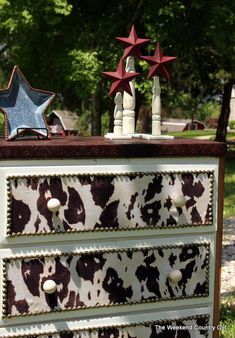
(33,35)
(141,84)
(1,124)
(84,123)
(64,45)
(61,7)
(209,109)
(85,72)
(228,328)
(228,317)
(229,201)
(232,124)
(172,9)
(183,105)
(16,16)
(105,123)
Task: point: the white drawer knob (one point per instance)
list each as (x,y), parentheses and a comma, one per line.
(176,276)
(53,204)
(179,201)
(49,286)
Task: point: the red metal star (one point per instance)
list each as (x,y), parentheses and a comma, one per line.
(120,79)
(158,63)
(132,44)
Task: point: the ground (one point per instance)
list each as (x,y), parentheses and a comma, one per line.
(228,258)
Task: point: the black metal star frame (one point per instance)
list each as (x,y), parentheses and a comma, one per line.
(23,107)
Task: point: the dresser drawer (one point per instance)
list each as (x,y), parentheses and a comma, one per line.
(86,202)
(106,278)
(191,326)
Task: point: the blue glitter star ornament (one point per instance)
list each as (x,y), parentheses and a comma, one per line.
(23,107)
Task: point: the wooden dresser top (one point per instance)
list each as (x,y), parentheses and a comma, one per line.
(99,147)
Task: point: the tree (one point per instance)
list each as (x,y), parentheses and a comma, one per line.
(202,34)
(63,45)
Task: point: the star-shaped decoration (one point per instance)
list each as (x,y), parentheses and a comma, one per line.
(23,107)
(132,44)
(120,79)
(158,63)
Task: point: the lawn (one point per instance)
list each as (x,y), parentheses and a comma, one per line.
(194,133)
(201,133)
(229,188)
(228,317)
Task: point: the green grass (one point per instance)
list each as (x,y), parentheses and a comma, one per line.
(229,188)
(227,318)
(193,133)
(197,133)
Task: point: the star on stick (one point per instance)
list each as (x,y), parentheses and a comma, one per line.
(120,79)
(23,106)
(158,63)
(132,44)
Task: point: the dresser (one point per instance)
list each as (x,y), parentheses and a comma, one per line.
(110,239)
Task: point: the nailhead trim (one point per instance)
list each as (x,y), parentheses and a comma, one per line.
(9,232)
(7,259)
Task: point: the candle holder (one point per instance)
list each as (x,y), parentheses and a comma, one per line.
(124,87)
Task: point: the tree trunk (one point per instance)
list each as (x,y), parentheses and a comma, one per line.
(224,113)
(96,111)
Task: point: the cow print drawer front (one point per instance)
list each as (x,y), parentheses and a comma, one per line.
(194,326)
(109,202)
(104,278)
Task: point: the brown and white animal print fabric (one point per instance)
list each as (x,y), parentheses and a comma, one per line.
(98,202)
(112,277)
